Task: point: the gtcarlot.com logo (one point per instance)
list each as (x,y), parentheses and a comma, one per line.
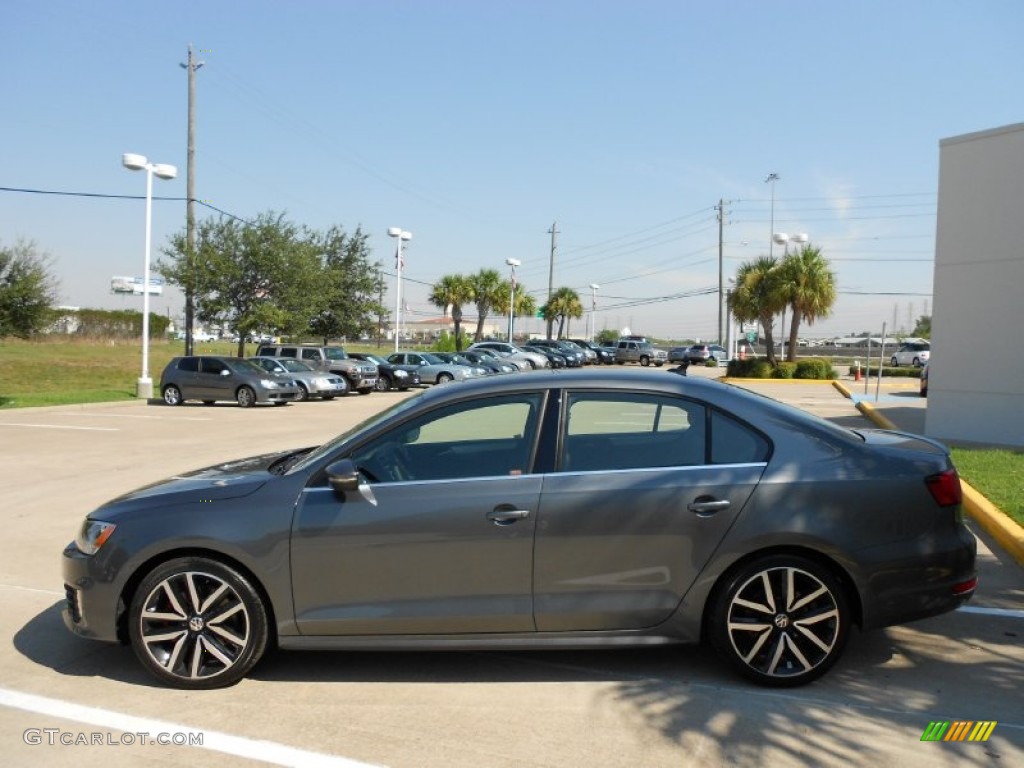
(958,730)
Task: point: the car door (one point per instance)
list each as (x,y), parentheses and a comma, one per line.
(642,496)
(215,380)
(440,541)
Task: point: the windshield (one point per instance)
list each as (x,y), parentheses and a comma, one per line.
(432,359)
(335,353)
(317,454)
(295,366)
(375,359)
(244,366)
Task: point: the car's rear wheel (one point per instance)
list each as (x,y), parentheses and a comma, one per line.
(197,623)
(172,395)
(780,620)
(382,384)
(246,397)
(444,378)
(303,394)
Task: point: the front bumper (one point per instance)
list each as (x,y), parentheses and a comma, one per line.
(92,604)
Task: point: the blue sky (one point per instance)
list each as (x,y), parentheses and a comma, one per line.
(476,125)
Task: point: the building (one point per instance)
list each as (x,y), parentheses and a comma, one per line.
(976,371)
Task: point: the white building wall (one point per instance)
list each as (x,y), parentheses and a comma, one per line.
(976,373)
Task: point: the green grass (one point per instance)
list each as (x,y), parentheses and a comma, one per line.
(998,475)
(63,372)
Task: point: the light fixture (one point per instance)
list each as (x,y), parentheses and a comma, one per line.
(512,295)
(401,236)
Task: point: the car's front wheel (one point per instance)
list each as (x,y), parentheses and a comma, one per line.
(172,395)
(303,395)
(197,623)
(645,361)
(382,384)
(780,620)
(246,397)
(444,378)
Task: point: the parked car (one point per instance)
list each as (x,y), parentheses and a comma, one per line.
(311,382)
(389,376)
(511,351)
(590,356)
(569,509)
(485,359)
(212,378)
(458,358)
(914,353)
(361,375)
(574,356)
(679,355)
(924,380)
(555,360)
(629,351)
(601,354)
(702,353)
(431,368)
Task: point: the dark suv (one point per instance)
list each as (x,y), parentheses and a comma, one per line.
(361,375)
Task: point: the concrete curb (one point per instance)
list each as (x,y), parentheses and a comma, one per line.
(997,523)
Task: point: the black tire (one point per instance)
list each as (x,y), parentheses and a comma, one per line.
(303,394)
(917,362)
(645,361)
(780,621)
(382,384)
(172,395)
(196,623)
(895,363)
(326,397)
(246,397)
(444,378)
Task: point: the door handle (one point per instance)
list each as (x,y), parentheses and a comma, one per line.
(507,516)
(705,506)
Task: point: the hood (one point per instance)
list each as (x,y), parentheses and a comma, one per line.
(216,483)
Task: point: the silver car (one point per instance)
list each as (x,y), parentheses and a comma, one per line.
(565,509)
(311,381)
(512,352)
(211,378)
(433,369)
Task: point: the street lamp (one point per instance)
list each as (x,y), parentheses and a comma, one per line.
(402,236)
(771,178)
(785,239)
(144,387)
(593,309)
(512,295)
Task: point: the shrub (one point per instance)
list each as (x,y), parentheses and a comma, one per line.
(784,370)
(814,368)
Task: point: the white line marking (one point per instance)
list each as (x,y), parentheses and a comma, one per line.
(86,414)
(254,749)
(32,589)
(60,426)
(1006,613)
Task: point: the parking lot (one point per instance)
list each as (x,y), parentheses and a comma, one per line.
(65,700)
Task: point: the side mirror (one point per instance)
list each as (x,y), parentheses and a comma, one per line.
(225,372)
(343,476)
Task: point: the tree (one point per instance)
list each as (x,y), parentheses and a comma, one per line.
(809,287)
(758,297)
(351,285)
(565,303)
(923,329)
(251,276)
(453,291)
(488,290)
(27,290)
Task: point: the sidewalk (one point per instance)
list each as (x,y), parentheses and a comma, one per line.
(897,405)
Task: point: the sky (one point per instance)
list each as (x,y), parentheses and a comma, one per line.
(479,125)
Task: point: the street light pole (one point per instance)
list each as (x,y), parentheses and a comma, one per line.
(402,236)
(771,178)
(593,309)
(512,296)
(133,162)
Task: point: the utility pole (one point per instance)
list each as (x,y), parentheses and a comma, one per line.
(551,275)
(190,193)
(720,208)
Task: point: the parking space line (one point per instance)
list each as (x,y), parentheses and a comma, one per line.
(86,414)
(216,741)
(62,426)
(1006,613)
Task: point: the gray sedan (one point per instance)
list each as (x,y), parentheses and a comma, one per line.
(558,510)
(432,368)
(311,381)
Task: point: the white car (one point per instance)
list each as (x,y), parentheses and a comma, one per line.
(433,369)
(915,353)
(514,353)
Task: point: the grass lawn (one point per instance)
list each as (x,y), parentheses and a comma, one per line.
(62,372)
(999,475)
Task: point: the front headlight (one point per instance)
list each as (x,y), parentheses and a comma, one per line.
(93,535)
(400,374)
(269,383)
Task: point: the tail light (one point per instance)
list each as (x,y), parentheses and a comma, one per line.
(945,488)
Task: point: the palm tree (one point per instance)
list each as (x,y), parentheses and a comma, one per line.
(487,292)
(810,290)
(565,303)
(453,291)
(758,297)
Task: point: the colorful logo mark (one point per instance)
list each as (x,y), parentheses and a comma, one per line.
(958,730)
